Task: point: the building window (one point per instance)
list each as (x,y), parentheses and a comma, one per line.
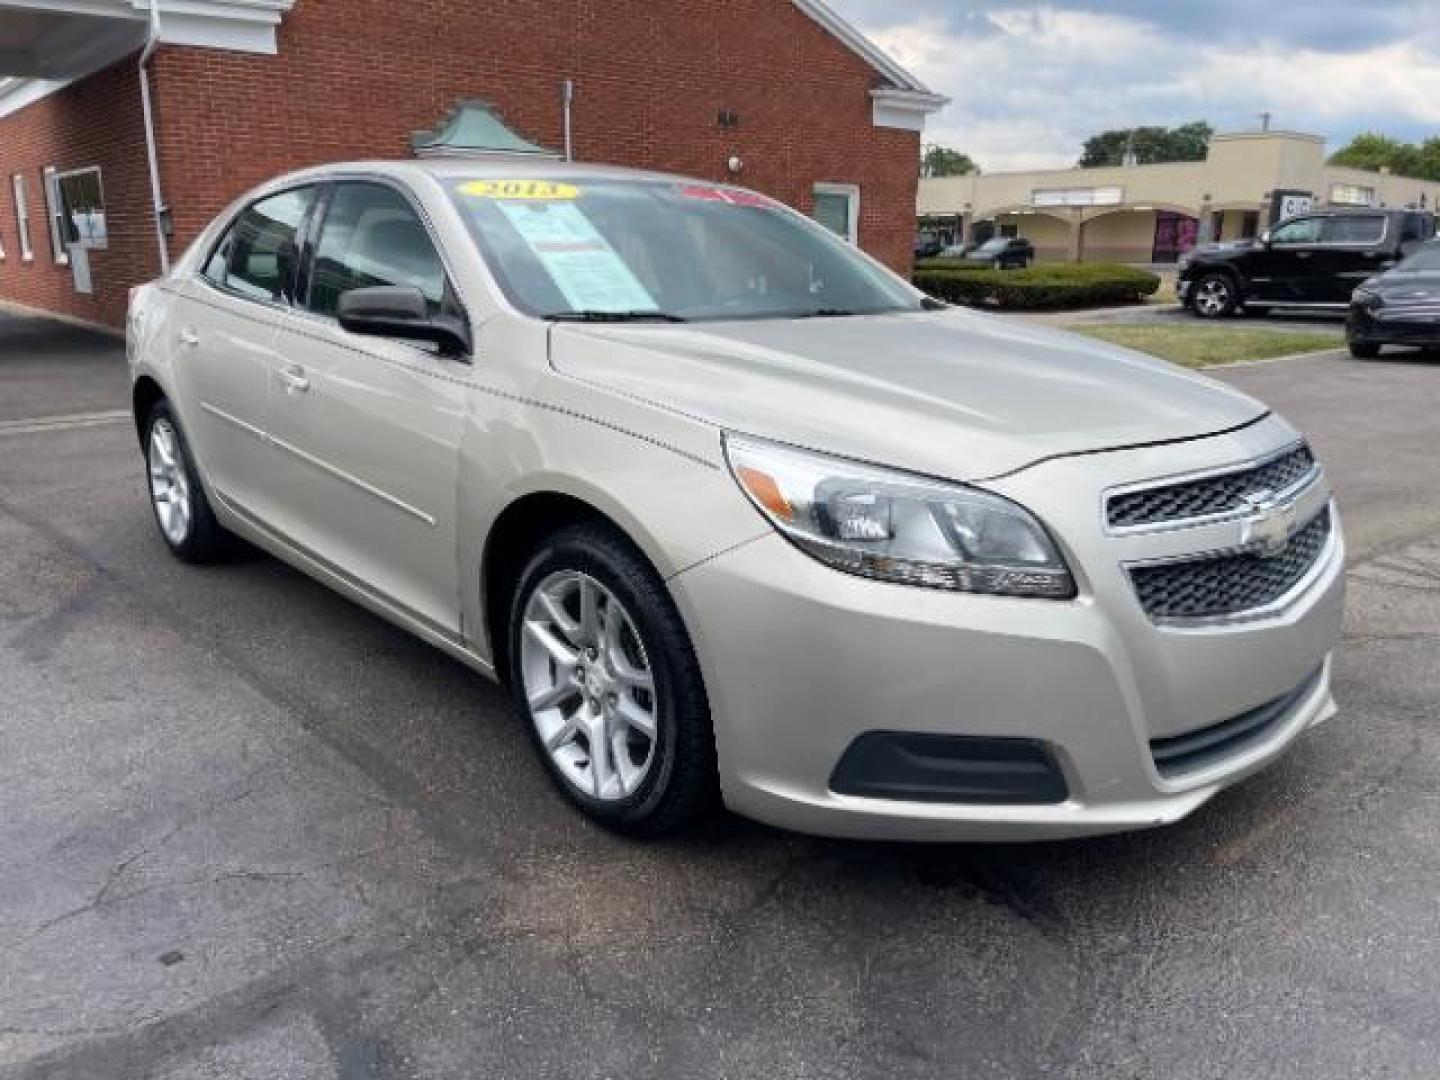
(837,207)
(22,217)
(1352,195)
(75,202)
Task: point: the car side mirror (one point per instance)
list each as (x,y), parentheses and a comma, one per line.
(400,311)
(1265,238)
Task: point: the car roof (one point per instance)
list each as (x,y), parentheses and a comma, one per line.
(480,166)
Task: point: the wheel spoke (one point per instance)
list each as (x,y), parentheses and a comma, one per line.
(562,736)
(637,717)
(562,654)
(562,691)
(602,768)
(589,612)
(559,616)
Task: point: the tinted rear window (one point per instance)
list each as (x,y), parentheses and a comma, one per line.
(1355,230)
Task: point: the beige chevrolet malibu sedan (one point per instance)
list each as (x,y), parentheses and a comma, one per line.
(734,512)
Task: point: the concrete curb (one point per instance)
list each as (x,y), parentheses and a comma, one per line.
(1271,359)
(13,308)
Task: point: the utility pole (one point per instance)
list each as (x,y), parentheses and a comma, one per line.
(1264,121)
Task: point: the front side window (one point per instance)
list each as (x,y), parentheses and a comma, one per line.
(22,217)
(373,236)
(260,251)
(1355,230)
(1299,231)
(672,249)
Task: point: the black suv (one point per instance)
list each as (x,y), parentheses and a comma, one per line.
(1313,260)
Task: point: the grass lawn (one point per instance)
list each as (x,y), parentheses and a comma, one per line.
(1201,345)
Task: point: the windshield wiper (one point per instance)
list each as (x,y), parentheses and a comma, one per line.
(615,316)
(825,313)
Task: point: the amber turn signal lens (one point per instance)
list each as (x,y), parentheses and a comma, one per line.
(765,491)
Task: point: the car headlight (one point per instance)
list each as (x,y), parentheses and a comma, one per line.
(897,527)
(1367,298)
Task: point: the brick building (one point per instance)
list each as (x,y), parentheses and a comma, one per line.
(240,90)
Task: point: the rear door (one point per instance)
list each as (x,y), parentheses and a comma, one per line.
(226,329)
(370,427)
(1355,247)
(1282,270)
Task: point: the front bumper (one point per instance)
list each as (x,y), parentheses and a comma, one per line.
(1390,327)
(801,660)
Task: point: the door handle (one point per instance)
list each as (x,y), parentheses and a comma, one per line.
(188,337)
(294,380)
(1303,254)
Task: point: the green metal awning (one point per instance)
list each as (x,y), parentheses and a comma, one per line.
(474,127)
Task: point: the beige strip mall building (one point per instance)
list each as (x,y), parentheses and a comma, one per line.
(1153,213)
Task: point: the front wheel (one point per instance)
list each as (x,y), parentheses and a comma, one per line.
(1214,296)
(603,670)
(177,497)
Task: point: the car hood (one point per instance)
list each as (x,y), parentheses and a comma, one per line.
(1394,286)
(954,394)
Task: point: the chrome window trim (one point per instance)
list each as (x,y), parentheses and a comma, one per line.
(1275,607)
(1285,495)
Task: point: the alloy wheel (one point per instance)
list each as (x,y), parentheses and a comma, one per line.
(1213,296)
(169,482)
(588,685)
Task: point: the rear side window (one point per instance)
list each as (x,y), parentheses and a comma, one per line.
(1417,227)
(1355,230)
(373,236)
(257,254)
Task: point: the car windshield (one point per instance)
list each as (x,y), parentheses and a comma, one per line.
(622,250)
(1426,260)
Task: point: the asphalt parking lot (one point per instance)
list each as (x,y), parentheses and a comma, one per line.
(249,830)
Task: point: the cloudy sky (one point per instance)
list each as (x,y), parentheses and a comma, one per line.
(1031,79)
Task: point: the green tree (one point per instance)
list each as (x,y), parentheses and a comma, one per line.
(1150,145)
(943,161)
(1373,151)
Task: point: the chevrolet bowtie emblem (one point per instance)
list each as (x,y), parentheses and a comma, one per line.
(1268,526)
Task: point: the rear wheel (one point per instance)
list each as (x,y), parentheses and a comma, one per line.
(182,511)
(1214,296)
(603,670)
(1364,350)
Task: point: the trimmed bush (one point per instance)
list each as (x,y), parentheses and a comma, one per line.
(1055,285)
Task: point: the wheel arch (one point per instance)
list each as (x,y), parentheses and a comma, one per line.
(513,536)
(143,396)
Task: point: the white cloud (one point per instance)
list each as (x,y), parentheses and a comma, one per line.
(1030,84)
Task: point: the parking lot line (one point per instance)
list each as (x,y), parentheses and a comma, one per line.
(31,425)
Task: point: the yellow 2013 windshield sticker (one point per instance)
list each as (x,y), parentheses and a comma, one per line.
(519,189)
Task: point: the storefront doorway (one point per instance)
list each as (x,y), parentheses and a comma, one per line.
(1174,235)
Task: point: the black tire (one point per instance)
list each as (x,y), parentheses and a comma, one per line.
(204,539)
(1214,297)
(682,782)
(1364,350)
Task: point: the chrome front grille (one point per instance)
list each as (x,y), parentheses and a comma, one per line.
(1211,496)
(1221,585)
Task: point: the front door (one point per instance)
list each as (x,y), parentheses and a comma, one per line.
(1283,269)
(368,429)
(226,328)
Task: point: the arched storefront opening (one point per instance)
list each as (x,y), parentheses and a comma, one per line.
(1139,234)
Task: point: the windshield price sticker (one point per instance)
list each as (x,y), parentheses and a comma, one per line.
(541,190)
(589,273)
